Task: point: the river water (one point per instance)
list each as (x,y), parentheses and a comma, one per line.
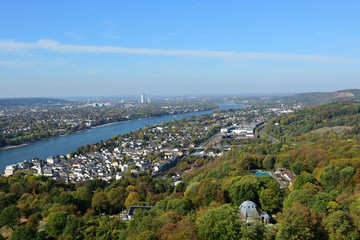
(68,143)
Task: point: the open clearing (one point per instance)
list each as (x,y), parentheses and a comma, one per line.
(337,129)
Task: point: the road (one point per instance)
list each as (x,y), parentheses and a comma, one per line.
(273,140)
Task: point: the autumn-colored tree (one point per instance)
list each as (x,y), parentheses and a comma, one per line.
(100,202)
(339,226)
(184,229)
(133,199)
(117,197)
(204,192)
(293,226)
(269,200)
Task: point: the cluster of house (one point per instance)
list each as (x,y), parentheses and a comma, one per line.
(103,165)
(154,149)
(131,155)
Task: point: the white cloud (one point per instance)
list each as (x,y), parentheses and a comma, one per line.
(54,46)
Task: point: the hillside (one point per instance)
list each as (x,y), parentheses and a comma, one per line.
(320,98)
(330,115)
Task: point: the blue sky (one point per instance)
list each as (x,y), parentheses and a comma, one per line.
(93,48)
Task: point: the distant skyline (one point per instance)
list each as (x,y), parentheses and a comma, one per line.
(112,48)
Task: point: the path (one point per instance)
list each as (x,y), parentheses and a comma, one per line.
(273,140)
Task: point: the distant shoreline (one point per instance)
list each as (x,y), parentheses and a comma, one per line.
(112,123)
(98,126)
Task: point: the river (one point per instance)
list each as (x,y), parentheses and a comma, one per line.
(68,143)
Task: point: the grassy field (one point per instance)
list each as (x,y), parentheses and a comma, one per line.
(337,129)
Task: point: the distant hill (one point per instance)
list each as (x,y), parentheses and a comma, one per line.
(344,115)
(320,98)
(14,102)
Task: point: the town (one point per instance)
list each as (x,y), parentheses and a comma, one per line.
(151,150)
(21,124)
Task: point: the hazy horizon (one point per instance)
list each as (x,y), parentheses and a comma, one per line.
(69,49)
(264,94)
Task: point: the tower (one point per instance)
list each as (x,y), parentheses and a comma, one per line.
(142,98)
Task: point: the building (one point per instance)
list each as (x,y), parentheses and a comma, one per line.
(53,160)
(249,212)
(286,176)
(132,212)
(142,98)
(9,170)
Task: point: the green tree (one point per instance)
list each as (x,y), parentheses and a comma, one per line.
(10,216)
(109,228)
(100,202)
(117,197)
(302,179)
(82,197)
(244,188)
(56,223)
(330,177)
(340,227)
(321,201)
(346,175)
(269,162)
(180,187)
(72,225)
(33,220)
(304,196)
(23,233)
(269,200)
(180,206)
(297,168)
(146,235)
(292,225)
(220,223)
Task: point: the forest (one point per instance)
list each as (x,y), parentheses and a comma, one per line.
(322,203)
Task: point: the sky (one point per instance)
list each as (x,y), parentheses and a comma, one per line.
(114,48)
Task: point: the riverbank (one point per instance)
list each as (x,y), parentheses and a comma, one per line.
(112,123)
(14,146)
(66,144)
(94,127)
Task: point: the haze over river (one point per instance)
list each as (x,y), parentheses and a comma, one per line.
(68,143)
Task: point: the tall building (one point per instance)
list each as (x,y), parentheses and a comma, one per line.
(142,98)
(148,100)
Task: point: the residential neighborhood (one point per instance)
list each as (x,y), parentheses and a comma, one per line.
(151,150)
